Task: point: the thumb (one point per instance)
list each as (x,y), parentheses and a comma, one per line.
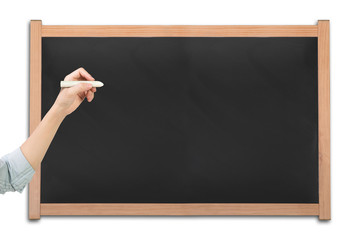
(81,87)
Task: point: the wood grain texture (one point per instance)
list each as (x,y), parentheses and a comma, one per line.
(323,208)
(179,31)
(179,209)
(35,109)
(324,119)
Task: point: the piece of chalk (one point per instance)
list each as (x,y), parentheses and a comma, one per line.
(64,84)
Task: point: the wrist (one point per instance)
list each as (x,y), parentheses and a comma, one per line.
(57,112)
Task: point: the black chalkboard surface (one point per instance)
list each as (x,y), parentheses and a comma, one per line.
(185,120)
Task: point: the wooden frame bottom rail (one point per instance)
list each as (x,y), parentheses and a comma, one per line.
(179,209)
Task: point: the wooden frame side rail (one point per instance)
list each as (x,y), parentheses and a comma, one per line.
(321,31)
(324,118)
(35,110)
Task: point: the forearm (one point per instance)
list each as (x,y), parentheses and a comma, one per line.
(35,147)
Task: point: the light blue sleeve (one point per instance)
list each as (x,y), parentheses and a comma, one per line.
(15,172)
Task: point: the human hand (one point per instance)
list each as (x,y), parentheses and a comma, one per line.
(69,99)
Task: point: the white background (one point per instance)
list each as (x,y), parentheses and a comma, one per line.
(345,115)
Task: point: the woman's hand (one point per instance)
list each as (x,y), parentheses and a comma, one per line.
(35,147)
(69,99)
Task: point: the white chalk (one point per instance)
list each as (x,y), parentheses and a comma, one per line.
(73,83)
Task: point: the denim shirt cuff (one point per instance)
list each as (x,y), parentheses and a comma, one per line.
(20,170)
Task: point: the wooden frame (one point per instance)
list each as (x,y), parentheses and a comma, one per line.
(35,110)
(321,31)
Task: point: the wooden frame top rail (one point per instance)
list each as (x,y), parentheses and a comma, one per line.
(180,31)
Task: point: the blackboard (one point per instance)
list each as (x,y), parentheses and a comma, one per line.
(185,120)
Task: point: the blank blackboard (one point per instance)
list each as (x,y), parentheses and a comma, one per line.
(185,120)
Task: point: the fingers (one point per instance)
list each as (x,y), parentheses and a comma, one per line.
(90,96)
(85,74)
(80,88)
(79,74)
